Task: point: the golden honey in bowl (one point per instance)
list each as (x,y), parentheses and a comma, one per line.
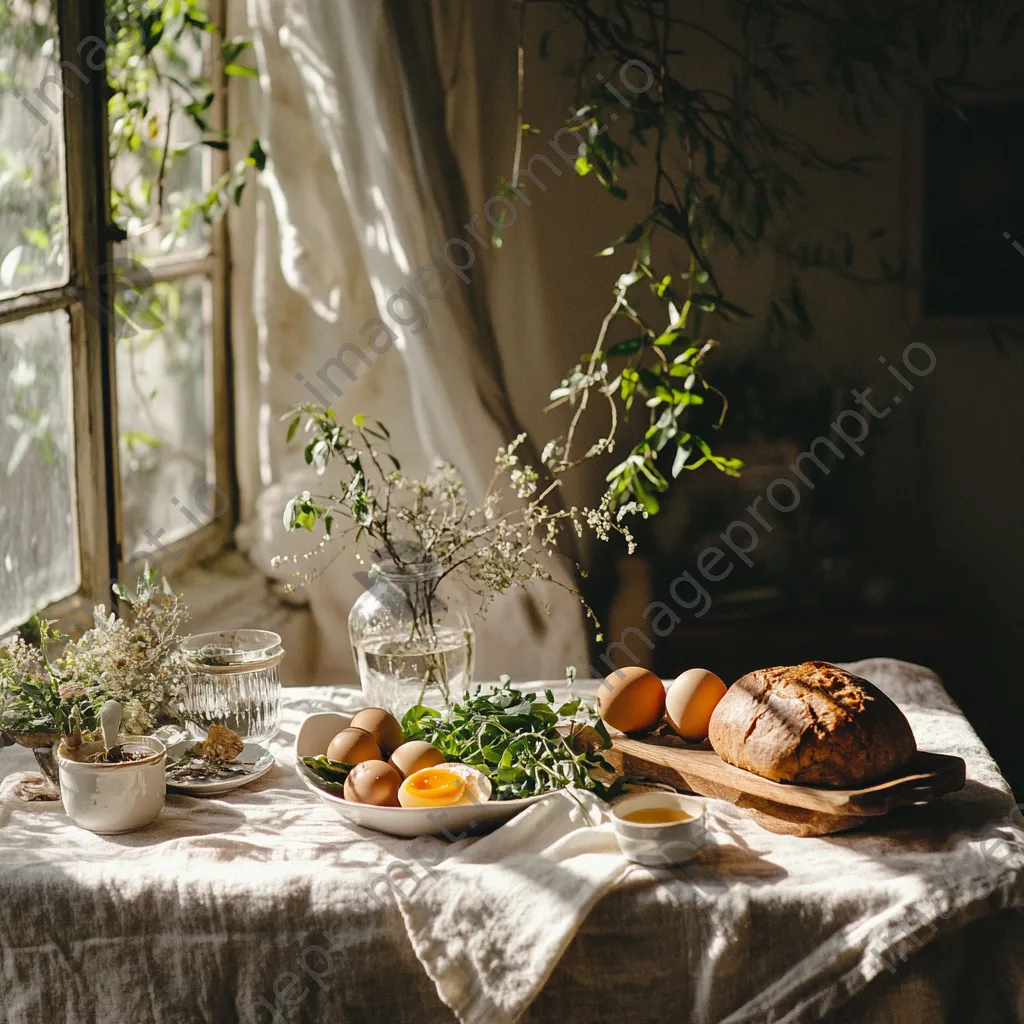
(657,816)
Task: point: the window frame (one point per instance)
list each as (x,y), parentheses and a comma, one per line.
(92,282)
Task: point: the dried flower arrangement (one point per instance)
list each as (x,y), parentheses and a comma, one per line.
(53,686)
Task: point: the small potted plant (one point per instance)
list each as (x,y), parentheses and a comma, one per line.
(39,705)
(51,688)
(116,783)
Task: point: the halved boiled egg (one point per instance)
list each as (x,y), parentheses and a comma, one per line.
(445,785)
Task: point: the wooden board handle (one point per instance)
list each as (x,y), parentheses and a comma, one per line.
(799,810)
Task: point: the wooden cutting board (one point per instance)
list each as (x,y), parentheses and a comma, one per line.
(783,807)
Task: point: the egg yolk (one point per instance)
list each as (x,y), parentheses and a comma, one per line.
(436,786)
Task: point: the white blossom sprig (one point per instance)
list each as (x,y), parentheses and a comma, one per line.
(503,542)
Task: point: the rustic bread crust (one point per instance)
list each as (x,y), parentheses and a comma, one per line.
(813,724)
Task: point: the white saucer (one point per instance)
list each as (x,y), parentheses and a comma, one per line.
(263,761)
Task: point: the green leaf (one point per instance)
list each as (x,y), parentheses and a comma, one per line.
(416,719)
(293,427)
(624,348)
(148,319)
(730,467)
(257,157)
(326,770)
(632,235)
(240,71)
(231,48)
(648,500)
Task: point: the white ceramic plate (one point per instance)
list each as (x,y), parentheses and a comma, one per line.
(315,735)
(263,761)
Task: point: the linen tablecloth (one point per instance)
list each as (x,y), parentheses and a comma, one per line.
(255,907)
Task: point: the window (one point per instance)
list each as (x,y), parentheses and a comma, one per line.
(114,399)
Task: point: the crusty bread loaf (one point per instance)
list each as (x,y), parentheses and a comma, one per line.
(813,724)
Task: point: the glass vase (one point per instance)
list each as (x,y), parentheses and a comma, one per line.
(412,639)
(233,681)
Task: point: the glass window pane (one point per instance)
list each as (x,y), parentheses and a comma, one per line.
(153,131)
(38,528)
(32,234)
(164,423)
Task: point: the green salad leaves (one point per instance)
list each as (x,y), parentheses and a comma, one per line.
(328,775)
(521,741)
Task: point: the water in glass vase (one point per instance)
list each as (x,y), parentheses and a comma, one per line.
(397,672)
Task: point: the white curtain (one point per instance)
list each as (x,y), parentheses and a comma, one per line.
(361,190)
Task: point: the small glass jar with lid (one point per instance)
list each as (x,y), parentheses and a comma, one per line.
(233,681)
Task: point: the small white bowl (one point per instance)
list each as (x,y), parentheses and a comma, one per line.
(665,844)
(112,798)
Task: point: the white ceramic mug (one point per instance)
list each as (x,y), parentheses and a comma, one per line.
(113,798)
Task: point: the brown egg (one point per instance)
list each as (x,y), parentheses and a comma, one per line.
(382,726)
(352,746)
(373,782)
(690,701)
(416,754)
(631,700)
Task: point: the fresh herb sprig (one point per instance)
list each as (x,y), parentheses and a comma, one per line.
(521,741)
